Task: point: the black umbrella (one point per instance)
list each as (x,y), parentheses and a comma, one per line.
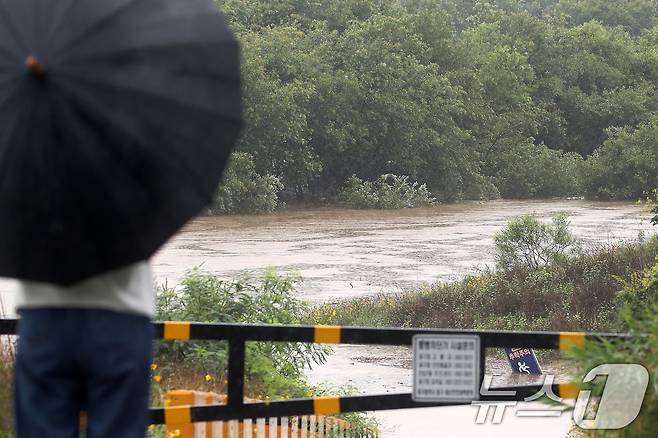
(116,120)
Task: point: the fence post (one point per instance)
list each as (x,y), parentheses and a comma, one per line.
(235,393)
(182,398)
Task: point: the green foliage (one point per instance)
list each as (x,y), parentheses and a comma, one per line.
(275,100)
(590,77)
(244,190)
(652,201)
(473,98)
(575,293)
(638,304)
(529,243)
(639,293)
(387,192)
(535,171)
(626,167)
(274,369)
(633,15)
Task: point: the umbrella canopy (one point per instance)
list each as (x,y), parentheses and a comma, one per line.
(116,120)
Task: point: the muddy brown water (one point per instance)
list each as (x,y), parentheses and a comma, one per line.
(349,253)
(346,253)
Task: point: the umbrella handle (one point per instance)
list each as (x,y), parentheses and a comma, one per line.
(33,64)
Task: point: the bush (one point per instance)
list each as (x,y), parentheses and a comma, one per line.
(626,166)
(638,313)
(274,369)
(527,242)
(480,187)
(574,293)
(388,192)
(535,171)
(243,190)
(639,293)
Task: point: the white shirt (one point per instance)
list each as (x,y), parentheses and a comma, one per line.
(125,290)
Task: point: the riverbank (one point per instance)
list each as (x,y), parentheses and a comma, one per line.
(574,294)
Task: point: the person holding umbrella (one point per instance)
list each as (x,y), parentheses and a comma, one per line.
(117,118)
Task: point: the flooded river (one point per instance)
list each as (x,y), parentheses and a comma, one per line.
(344,253)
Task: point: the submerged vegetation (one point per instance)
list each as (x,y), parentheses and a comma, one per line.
(387,192)
(474,99)
(573,291)
(528,242)
(244,190)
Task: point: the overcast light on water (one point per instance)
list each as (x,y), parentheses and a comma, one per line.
(348,253)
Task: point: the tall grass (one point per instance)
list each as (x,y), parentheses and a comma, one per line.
(638,302)
(577,292)
(7,356)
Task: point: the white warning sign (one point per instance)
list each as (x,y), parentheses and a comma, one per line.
(446,368)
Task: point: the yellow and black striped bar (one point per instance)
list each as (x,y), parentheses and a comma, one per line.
(183,331)
(379,336)
(334,405)
(238,334)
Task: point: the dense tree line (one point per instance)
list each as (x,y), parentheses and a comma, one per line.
(475,99)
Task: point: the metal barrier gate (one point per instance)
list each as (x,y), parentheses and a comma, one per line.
(238,334)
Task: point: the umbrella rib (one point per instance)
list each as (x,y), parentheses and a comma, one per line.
(6,51)
(9,77)
(4,12)
(97,80)
(94,108)
(5,99)
(8,133)
(82,135)
(57,25)
(163,23)
(90,56)
(92,26)
(97,108)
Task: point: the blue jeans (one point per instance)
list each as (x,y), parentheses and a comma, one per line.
(73,360)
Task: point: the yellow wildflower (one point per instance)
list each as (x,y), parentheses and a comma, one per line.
(208,378)
(157,378)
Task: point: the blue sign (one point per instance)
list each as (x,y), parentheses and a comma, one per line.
(523,360)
